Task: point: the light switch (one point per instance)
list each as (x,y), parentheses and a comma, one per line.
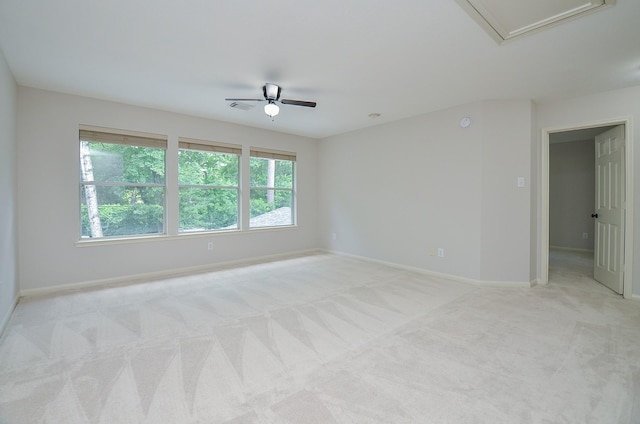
(520,181)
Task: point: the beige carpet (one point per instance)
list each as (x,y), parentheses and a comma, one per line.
(323,339)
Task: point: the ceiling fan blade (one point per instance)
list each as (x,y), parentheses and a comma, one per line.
(245,100)
(298,103)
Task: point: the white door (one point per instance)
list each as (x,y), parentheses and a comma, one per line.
(608,264)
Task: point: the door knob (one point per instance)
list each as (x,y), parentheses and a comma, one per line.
(594,215)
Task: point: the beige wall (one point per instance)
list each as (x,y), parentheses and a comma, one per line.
(571,194)
(48,185)
(8,193)
(397,191)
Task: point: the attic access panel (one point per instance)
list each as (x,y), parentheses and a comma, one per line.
(507,19)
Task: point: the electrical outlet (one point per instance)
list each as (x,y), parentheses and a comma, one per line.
(432,251)
(585,236)
(441,252)
(210,245)
(334,236)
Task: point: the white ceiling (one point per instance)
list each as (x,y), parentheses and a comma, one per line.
(353,57)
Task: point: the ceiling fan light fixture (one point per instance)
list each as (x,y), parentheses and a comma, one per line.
(271,109)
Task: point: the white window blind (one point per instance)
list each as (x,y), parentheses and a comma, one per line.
(258,152)
(126,139)
(205,146)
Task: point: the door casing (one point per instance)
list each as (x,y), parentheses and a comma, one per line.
(544,196)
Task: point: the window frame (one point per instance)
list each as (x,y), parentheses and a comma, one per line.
(265,153)
(189,144)
(92,134)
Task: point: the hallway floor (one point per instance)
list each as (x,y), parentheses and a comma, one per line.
(574,269)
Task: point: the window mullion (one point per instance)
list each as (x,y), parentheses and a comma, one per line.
(207,186)
(172,194)
(120,184)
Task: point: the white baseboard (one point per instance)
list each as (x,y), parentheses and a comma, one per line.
(519,284)
(7,317)
(139,278)
(536,282)
(172,273)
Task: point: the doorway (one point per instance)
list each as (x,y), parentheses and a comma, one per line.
(573,269)
(584,132)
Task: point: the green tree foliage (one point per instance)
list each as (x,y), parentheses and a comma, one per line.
(261,187)
(123,220)
(208,190)
(123,163)
(283,173)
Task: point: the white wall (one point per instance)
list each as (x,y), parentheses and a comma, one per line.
(8,193)
(599,108)
(396,191)
(48,185)
(571,194)
(536,219)
(506,208)
(392,192)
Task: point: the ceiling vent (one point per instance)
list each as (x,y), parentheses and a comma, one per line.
(240,105)
(507,19)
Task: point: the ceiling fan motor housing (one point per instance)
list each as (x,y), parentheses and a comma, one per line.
(271,91)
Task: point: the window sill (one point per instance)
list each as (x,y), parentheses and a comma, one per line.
(169,237)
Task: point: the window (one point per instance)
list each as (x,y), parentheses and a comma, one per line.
(272,194)
(208,178)
(124,191)
(122,184)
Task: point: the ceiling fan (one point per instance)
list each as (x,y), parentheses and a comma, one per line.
(272,95)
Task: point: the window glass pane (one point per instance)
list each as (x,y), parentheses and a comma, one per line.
(208,208)
(121,210)
(128,197)
(259,172)
(122,163)
(270,208)
(283,174)
(197,168)
(271,173)
(203,209)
